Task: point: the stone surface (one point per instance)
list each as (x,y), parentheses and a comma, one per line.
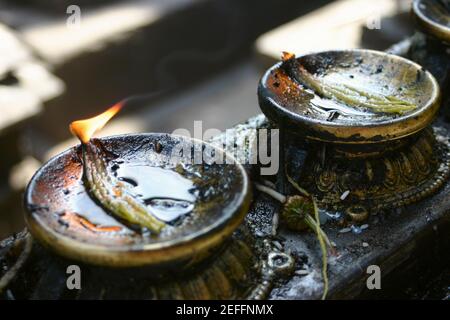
(11,215)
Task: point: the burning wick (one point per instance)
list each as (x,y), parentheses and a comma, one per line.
(113,195)
(85,129)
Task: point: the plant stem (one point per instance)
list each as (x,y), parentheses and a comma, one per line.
(112,194)
(321,236)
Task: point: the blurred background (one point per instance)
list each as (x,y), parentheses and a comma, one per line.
(195,59)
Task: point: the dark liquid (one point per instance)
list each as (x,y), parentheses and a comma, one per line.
(168,195)
(88,209)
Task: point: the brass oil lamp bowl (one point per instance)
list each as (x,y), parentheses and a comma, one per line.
(362,118)
(201,205)
(433,18)
(194,246)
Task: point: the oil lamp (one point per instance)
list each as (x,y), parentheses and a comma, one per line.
(433,18)
(363,118)
(138,206)
(430,46)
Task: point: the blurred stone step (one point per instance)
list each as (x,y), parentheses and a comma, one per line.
(58,5)
(25,86)
(11,209)
(343,24)
(132,47)
(11,214)
(395,28)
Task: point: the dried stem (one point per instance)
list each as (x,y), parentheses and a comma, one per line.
(321,236)
(271,192)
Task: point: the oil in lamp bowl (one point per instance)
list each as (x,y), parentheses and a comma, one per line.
(63,217)
(433,17)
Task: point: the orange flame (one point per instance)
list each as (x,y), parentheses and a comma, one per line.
(285,56)
(85,129)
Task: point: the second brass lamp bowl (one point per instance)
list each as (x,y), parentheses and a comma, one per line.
(358,160)
(433,18)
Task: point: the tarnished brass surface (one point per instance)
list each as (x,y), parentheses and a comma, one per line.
(389,180)
(244,268)
(241,271)
(433,18)
(231,275)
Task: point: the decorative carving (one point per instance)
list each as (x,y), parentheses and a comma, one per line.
(242,269)
(232,275)
(388,180)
